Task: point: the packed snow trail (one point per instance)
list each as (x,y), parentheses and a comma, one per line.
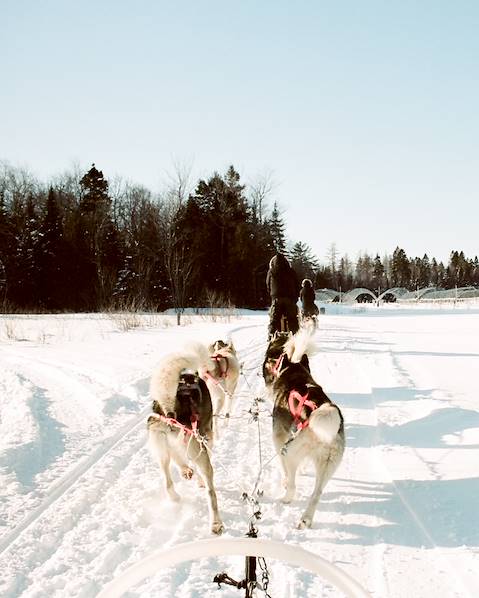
(396,516)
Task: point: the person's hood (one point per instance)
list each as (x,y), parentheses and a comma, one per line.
(278,262)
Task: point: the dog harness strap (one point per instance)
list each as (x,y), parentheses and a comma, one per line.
(277,365)
(296,410)
(209,376)
(171,421)
(194,424)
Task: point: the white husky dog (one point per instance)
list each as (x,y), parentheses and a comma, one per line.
(181,425)
(223,378)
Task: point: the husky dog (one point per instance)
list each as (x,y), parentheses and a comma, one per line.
(305,422)
(181,425)
(223,378)
(273,353)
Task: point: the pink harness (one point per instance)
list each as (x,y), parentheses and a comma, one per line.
(223,373)
(296,401)
(171,421)
(277,365)
(297,409)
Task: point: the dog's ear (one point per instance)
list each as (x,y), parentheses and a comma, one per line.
(305,362)
(285,362)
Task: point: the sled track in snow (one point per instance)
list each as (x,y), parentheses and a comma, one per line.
(403,499)
(70,497)
(61,487)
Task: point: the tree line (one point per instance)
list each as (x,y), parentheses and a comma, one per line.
(397,270)
(84,243)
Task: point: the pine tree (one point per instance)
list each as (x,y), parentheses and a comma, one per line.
(101,244)
(425,276)
(7,248)
(50,256)
(378,281)
(276,227)
(400,269)
(95,196)
(25,277)
(303,261)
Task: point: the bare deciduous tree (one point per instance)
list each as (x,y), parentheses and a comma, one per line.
(260,189)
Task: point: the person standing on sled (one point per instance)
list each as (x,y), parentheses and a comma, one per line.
(283,286)
(309,309)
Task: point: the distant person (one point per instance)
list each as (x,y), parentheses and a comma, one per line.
(309,308)
(283,287)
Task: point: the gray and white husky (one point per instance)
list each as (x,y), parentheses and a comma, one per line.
(305,422)
(223,378)
(181,427)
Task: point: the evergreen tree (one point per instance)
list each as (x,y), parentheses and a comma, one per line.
(324,278)
(378,279)
(50,256)
(7,248)
(95,198)
(475,271)
(400,269)
(276,227)
(425,275)
(303,261)
(101,249)
(25,279)
(214,222)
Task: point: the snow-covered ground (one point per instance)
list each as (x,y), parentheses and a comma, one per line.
(81,499)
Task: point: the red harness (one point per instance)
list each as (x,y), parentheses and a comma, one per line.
(171,421)
(277,365)
(296,401)
(297,409)
(222,374)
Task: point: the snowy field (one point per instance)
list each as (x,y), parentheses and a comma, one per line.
(81,499)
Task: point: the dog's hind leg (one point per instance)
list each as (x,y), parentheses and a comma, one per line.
(204,465)
(179,457)
(228,405)
(324,470)
(289,466)
(160,450)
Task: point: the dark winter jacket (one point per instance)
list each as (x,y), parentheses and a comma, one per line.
(307,297)
(281,279)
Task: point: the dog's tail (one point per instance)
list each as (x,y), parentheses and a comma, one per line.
(325,422)
(299,344)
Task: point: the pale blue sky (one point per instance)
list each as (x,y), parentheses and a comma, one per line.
(366,112)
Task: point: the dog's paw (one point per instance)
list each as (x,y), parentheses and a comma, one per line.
(217,528)
(187,472)
(305,523)
(287,498)
(173,496)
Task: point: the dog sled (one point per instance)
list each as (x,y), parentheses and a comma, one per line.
(248,547)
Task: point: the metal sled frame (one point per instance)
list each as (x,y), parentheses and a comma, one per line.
(289,553)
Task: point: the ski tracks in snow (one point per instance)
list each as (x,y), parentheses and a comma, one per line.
(109,510)
(376,467)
